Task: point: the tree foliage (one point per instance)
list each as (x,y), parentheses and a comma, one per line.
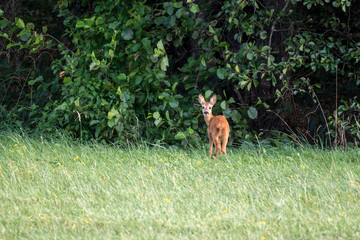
(132,70)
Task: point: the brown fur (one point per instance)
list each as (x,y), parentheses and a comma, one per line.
(218,127)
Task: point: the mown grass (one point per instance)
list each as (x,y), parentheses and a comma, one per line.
(63,190)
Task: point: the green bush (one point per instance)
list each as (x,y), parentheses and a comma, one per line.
(131,71)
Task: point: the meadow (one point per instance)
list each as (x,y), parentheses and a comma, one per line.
(61,189)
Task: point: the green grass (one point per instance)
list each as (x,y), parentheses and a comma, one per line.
(64,190)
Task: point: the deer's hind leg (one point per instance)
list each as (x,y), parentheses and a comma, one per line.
(225,139)
(217,142)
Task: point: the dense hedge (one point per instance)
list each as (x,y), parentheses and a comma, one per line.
(132,70)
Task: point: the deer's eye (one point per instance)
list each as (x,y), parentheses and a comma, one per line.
(209,107)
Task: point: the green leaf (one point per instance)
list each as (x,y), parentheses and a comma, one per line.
(195,35)
(80,24)
(249,86)
(223,105)
(38,79)
(231,100)
(263,35)
(208,93)
(111,123)
(93,65)
(178,4)
(24,37)
(158,119)
(174,87)
(252,113)
(160,46)
(113,25)
(164,95)
(147,45)
(77,102)
(136,47)
(164,63)
(20,23)
(235,116)
(67,80)
(180,12)
(5,35)
(180,136)
(158,122)
(32,82)
(194,8)
(158,53)
(174,104)
(111,53)
(121,76)
(167,115)
(138,80)
(93,122)
(172,21)
(203,62)
(221,73)
(191,131)
(170,10)
(211,29)
(113,113)
(156,115)
(159,20)
(243,83)
(127,34)
(159,74)
(250,56)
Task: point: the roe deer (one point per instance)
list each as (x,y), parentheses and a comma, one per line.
(218,127)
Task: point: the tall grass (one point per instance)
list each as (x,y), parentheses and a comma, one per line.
(64,190)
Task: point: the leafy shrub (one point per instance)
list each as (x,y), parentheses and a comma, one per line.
(130,70)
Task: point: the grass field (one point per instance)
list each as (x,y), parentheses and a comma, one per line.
(63,190)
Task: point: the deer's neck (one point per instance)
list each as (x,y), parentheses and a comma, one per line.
(207,118)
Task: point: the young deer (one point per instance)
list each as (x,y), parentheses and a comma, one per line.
(218,126)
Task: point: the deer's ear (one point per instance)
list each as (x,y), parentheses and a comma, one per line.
(201,99)
(213,100)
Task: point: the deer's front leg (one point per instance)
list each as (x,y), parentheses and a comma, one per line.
(211,142)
